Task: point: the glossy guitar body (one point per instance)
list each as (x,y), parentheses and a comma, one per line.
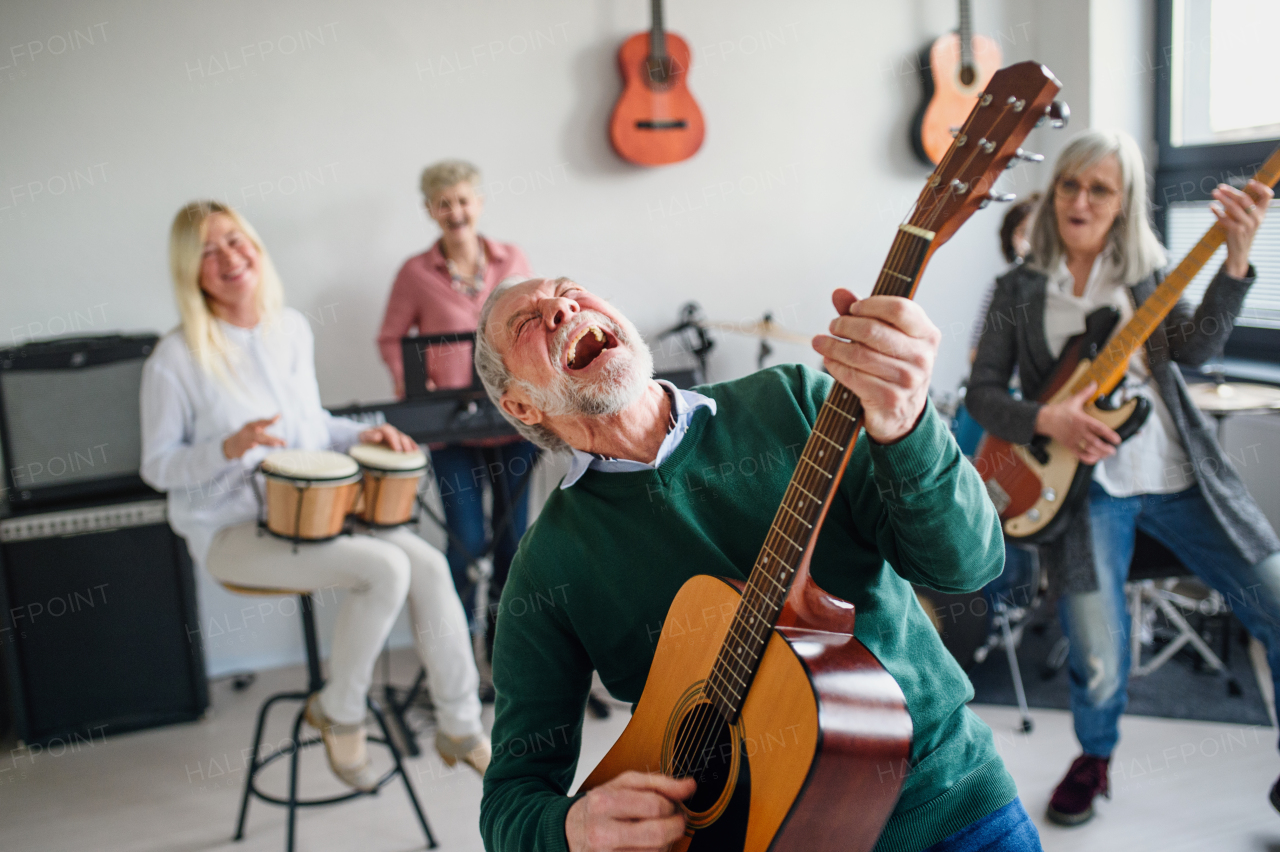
(1033,485)
(656,121)
(814,759)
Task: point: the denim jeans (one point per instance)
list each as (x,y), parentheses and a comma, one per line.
(1007,829)
(1097,623)
(462,474)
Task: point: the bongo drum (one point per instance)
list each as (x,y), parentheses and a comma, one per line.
(309,493)
(391,482)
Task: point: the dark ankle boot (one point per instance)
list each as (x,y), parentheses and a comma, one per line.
(1072,802)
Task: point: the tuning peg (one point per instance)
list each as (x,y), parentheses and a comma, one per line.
(1057,114)
(1001,197)
(1024,157)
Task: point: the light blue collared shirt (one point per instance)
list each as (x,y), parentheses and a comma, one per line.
(684,404)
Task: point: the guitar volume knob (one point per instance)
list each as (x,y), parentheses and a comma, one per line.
(1049,495)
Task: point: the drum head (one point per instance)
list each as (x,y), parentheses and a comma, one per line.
(378,457)
(314,465)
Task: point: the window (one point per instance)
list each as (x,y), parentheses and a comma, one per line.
(1222,65)
(1185,224)
(1217,121)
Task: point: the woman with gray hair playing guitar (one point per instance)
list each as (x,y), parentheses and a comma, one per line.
(1095,261)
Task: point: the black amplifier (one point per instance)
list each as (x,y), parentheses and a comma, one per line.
(69,417)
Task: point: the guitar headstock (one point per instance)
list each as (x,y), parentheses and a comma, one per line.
(1017,99)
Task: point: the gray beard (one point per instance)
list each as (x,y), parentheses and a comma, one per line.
(620,384)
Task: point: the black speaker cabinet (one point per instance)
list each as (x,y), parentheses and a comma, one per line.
(100,631)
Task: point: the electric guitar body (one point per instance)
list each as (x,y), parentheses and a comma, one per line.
(797,735)
(1029,484)
(656,121)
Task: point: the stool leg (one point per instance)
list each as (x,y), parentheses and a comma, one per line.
(404,776)
(293,779)
(314,679)
(253,769)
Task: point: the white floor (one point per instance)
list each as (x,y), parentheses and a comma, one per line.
(1176,786)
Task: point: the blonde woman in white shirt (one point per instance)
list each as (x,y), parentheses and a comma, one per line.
(236,381)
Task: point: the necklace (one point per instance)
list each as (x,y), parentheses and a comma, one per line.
(468,285)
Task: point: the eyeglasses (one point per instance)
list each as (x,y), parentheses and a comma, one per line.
(1099,194)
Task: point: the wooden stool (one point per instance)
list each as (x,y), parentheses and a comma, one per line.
(314,682)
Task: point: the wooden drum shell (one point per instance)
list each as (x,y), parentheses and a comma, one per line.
(324,506)
(387,498)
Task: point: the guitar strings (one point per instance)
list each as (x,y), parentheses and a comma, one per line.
(709,728)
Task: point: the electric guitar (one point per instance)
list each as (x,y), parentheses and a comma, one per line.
(656,120)
(1032,484)
(782,661)
(954,70)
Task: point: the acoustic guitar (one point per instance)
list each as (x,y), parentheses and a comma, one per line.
(656,121)
(1032,484)
(954,70)
(783,717)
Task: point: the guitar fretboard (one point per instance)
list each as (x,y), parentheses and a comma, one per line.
(795,525)
(966,36)
(657,36)
(1111,364)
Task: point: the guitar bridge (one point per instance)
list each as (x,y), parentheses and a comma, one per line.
(656,124)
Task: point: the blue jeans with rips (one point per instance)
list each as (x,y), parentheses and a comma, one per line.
(1097,623)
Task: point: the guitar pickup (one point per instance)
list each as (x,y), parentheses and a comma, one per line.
(1038,448)
(657,124)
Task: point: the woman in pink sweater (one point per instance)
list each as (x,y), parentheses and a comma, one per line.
(440,292)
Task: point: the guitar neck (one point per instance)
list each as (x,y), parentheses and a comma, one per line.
(966,36)
(796,525)
(657,35)
(1111,364)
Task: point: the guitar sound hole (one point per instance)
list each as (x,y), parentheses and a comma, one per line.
(658,72)
(968,75)
(705,752)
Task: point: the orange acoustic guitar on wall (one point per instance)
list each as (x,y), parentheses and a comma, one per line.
(954,70)
(782,659)
(656,121)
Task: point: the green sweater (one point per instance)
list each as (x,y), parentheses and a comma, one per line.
(595,575)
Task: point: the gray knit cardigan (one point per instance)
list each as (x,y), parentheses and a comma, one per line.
(1014,335)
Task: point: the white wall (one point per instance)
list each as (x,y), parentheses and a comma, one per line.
(320,129)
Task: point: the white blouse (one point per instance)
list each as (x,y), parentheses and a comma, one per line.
(1153,461)
(188,413)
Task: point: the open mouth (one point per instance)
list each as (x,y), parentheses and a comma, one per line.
(587,345)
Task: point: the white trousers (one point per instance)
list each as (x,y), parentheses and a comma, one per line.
(378,569)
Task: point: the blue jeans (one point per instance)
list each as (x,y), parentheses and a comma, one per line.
(1097,623)
(1008,829)
(462,474)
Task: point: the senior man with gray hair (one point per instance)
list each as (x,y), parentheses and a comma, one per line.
(650,501)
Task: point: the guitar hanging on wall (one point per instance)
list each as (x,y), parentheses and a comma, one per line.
(1031,485)
(786,658)
(656,120)
(954,70)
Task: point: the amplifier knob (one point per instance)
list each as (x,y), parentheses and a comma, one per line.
(1049,494)
(1033,514)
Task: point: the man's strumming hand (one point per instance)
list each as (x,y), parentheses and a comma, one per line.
(633,811)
